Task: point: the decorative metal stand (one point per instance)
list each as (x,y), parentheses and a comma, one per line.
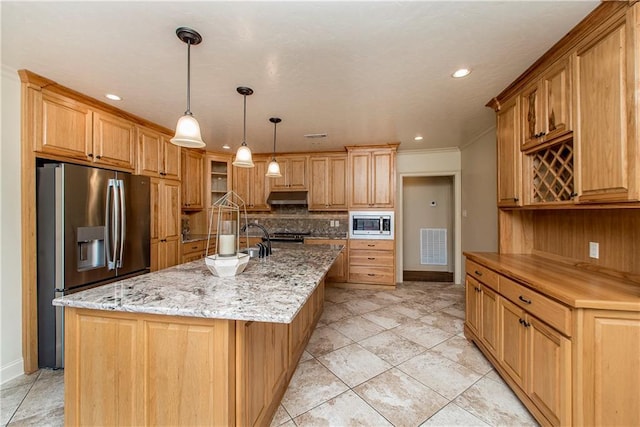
(228,260)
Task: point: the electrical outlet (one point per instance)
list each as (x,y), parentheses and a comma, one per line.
(331,223)
(337,223)
(594,250)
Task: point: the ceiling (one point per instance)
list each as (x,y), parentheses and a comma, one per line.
(362,72)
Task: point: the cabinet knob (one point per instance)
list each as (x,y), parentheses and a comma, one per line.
(98,157)
(479,273)
(515,199)
(90,155)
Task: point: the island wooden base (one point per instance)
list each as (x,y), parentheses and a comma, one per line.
(140,369)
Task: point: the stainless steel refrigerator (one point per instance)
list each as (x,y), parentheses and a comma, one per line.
(92,229)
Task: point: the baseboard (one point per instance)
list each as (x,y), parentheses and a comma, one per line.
(427,276)
(11,371)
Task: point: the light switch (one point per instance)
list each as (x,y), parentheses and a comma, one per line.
(594,250)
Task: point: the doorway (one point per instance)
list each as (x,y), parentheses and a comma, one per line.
(428,228)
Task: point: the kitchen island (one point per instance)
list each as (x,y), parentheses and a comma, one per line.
(183,347)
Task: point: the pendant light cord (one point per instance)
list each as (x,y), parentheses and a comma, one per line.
(188,79)
(275,125)
(244,125)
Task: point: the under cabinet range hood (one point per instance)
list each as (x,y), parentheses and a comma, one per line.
(287,198)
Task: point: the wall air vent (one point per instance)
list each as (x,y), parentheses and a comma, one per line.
(315,135)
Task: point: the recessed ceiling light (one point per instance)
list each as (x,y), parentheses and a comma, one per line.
(226,146)
(417,138)
(462,72)
(113,97)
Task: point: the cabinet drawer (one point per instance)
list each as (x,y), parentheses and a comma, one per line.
(191,257)
(368,274)
(483,274)
(191,247)
(547,310)
(387,245)
(379,258)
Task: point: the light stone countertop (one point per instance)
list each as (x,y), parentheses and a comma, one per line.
(271,289)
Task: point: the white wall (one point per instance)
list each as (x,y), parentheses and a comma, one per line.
(10,223)
(444,162)
(479,194)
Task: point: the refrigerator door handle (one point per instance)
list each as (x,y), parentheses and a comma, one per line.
(122,222)
(111,224)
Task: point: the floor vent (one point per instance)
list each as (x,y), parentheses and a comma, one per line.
(433,246)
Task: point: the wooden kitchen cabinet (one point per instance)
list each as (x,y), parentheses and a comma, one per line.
(339,269)
(192,179)
(546,106)
(193,251)
(607,76)
(252,185)
(157,156)
(328,183)
(482,312)
(67,126)
(567,339)
(74,130)
(165,223)
(294,173)
(260,345)
(372,262)
(113,141)
(509,155)
(372,176)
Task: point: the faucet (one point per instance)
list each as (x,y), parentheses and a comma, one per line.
(264,230)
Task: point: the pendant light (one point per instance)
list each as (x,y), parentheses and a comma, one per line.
(273,170)
(188,129)
(243,155)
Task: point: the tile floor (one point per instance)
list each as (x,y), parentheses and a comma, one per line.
(376,358)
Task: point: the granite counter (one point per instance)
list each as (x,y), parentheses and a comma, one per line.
(271,289)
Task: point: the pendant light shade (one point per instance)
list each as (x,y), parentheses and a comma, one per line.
(273,170)
(188,129)
(243,155)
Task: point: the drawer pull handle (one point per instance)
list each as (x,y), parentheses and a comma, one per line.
(371,258)
(478,273)
(476,288)
(524,300)
(372,246)
(370,274)
(524,323)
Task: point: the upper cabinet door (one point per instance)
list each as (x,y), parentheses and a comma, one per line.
(383,179)
(509,155)
(607,145)
(192,179)
(66,127)
(360,174)
(546,106)
(170,159)
(149,152)
(113,141)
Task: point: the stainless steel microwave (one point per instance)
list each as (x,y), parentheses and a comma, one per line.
(371,225)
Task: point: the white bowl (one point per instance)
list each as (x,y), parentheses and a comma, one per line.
(227,266)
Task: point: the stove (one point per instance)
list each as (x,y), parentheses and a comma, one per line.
(288,236)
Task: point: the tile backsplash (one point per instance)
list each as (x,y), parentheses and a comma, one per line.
(293,218)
